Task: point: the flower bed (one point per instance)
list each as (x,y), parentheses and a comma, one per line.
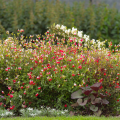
(47,71)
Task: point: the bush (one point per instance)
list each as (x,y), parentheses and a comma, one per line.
(46,72)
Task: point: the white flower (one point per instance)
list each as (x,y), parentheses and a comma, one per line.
(63,27)
(85,45)
(93,41)
(30,109)
(63,112)
(74,30)
(57,26)
(66,110)
(85,36)
(2,115)
(42,107)
(67,31)
(75,84)
(33,114)
(80,33)
(99,44)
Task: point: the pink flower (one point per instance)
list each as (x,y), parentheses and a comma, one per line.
(19,68)
(6,69)
(9,88)
(81,40)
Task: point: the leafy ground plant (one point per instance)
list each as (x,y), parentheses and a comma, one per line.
(91,99)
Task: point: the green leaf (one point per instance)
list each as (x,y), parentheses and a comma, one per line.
(76,94)
(98,113)
(75,104)
(93,108)
(105,102)
(81,103)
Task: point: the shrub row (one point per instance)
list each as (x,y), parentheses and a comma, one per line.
(99,21)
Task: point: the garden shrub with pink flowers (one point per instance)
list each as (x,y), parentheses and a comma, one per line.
(45,72)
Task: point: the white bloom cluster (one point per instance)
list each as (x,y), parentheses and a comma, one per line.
(79,35)
(5,113)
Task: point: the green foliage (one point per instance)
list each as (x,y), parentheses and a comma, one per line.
(99,21)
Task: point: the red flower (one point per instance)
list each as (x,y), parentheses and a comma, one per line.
(30,103)
(38,77)
(39,87)
(50,79)
(104,73)
(11,108)
(101,87)
(36,62)
(80,67)
(31,68)
(36,94)
(65,105)
(31,82)
(73,74)
(23,83)
(73,65)
(11,96)
(109,54)
(118,100)
(0,103)
(14,81)
(21,87)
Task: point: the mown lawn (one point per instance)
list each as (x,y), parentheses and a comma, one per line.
(63,118)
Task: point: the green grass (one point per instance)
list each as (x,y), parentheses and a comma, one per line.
(63,118)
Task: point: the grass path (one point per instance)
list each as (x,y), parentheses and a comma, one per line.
(63,118)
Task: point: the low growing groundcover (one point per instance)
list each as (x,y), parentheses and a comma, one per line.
(64,118)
